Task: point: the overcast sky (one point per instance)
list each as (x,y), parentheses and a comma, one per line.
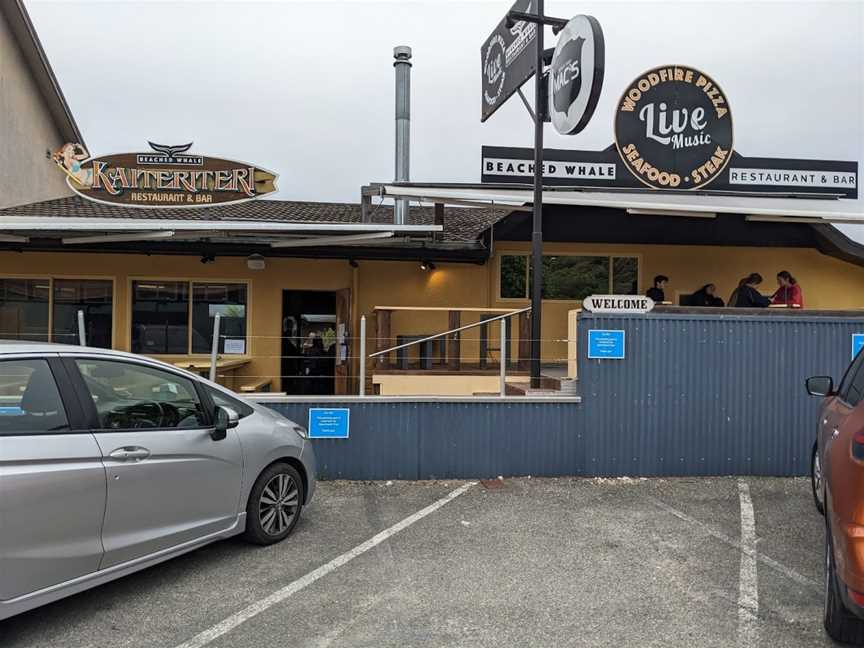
(305,89)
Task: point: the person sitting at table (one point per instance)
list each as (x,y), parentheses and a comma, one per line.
(706,296)
(746,295)
(788,292)
(656,292)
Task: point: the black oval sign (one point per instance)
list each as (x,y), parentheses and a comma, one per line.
(673,128)
(576,74)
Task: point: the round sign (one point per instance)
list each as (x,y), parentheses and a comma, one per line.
(576,74)
(673,128)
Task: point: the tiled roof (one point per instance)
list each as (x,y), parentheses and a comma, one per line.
(460,224)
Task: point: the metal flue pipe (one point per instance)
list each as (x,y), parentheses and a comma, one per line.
(402,64)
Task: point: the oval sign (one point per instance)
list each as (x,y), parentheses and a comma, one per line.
(167,176)
(673,128)
(618,304)
(576,74)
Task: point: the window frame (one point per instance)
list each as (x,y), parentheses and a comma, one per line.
(852,371)
(70,362)
(51,277)
(610,256)
(75,417)
(190,283)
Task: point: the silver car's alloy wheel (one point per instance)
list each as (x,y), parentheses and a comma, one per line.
(817,479)
(278,504)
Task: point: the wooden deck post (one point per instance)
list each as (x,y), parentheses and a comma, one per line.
(454,357)
(382,335)
(524,357)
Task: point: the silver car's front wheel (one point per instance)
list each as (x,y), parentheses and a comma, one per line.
(278,504)
(274,504)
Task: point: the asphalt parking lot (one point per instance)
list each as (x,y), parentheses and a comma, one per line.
(542,562)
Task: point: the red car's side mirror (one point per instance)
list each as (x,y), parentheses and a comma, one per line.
(820,385)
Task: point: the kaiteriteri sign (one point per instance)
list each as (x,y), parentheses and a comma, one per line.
(167,176)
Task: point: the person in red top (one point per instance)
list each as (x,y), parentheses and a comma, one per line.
(788,292)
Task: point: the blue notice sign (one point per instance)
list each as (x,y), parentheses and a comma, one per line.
(857,343)
(606,344)
(329,422)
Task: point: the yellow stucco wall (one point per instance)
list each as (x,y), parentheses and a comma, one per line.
(26,131)
(826,283)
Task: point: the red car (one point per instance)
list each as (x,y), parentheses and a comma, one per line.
(837,476)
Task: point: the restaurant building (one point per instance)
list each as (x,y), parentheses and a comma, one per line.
(150,276)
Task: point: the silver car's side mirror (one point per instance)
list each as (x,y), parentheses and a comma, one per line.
(820,385)
(226,418)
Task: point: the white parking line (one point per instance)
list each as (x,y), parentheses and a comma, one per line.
(748,584)
(213,633)
(780,568)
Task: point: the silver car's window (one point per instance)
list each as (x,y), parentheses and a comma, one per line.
(221,399)
(29,400)
(130,397)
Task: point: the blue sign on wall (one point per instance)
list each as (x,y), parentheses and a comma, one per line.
(329,422)
(606,344)
(857,343)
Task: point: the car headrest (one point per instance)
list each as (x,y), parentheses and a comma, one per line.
(40,396)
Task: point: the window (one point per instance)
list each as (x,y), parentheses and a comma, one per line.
(575,277)
(129,396)
(221,399)
(24,308)
(160,317)
(25,305)
(625,275)
(514,277)
(849,377)
(570,278)
(95,299)
(229,300)
(29,400)
(177,317)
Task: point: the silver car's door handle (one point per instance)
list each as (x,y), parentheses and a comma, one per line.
(130,453)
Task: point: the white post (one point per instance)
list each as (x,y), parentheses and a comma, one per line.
(362,381)
(82,332)
(214,350)
(503,357)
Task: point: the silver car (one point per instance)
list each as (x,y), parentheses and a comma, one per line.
(112,462)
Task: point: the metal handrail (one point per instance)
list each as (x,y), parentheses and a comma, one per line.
(456,330)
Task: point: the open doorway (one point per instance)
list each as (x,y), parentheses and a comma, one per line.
(315,341)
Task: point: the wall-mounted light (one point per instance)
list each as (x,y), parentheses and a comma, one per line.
(353,263)
(427,265)
(256,262)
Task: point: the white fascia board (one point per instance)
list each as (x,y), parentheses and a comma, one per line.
(767,206)
(55,223)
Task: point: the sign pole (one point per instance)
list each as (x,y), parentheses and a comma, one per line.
(537,227)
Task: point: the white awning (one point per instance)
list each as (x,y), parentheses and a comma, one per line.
(72,224)
(827,210)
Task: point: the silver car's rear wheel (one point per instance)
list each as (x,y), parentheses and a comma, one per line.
(278,504)
(274,504)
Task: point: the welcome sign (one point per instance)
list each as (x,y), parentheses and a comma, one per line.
(166,176)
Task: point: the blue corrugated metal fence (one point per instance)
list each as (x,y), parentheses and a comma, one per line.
(696,394)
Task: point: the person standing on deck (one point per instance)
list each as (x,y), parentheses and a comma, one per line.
(746,295)
(788,291)
(656,292)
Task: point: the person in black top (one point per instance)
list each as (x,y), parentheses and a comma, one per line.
(706,296)
(655,292)
(746,295)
